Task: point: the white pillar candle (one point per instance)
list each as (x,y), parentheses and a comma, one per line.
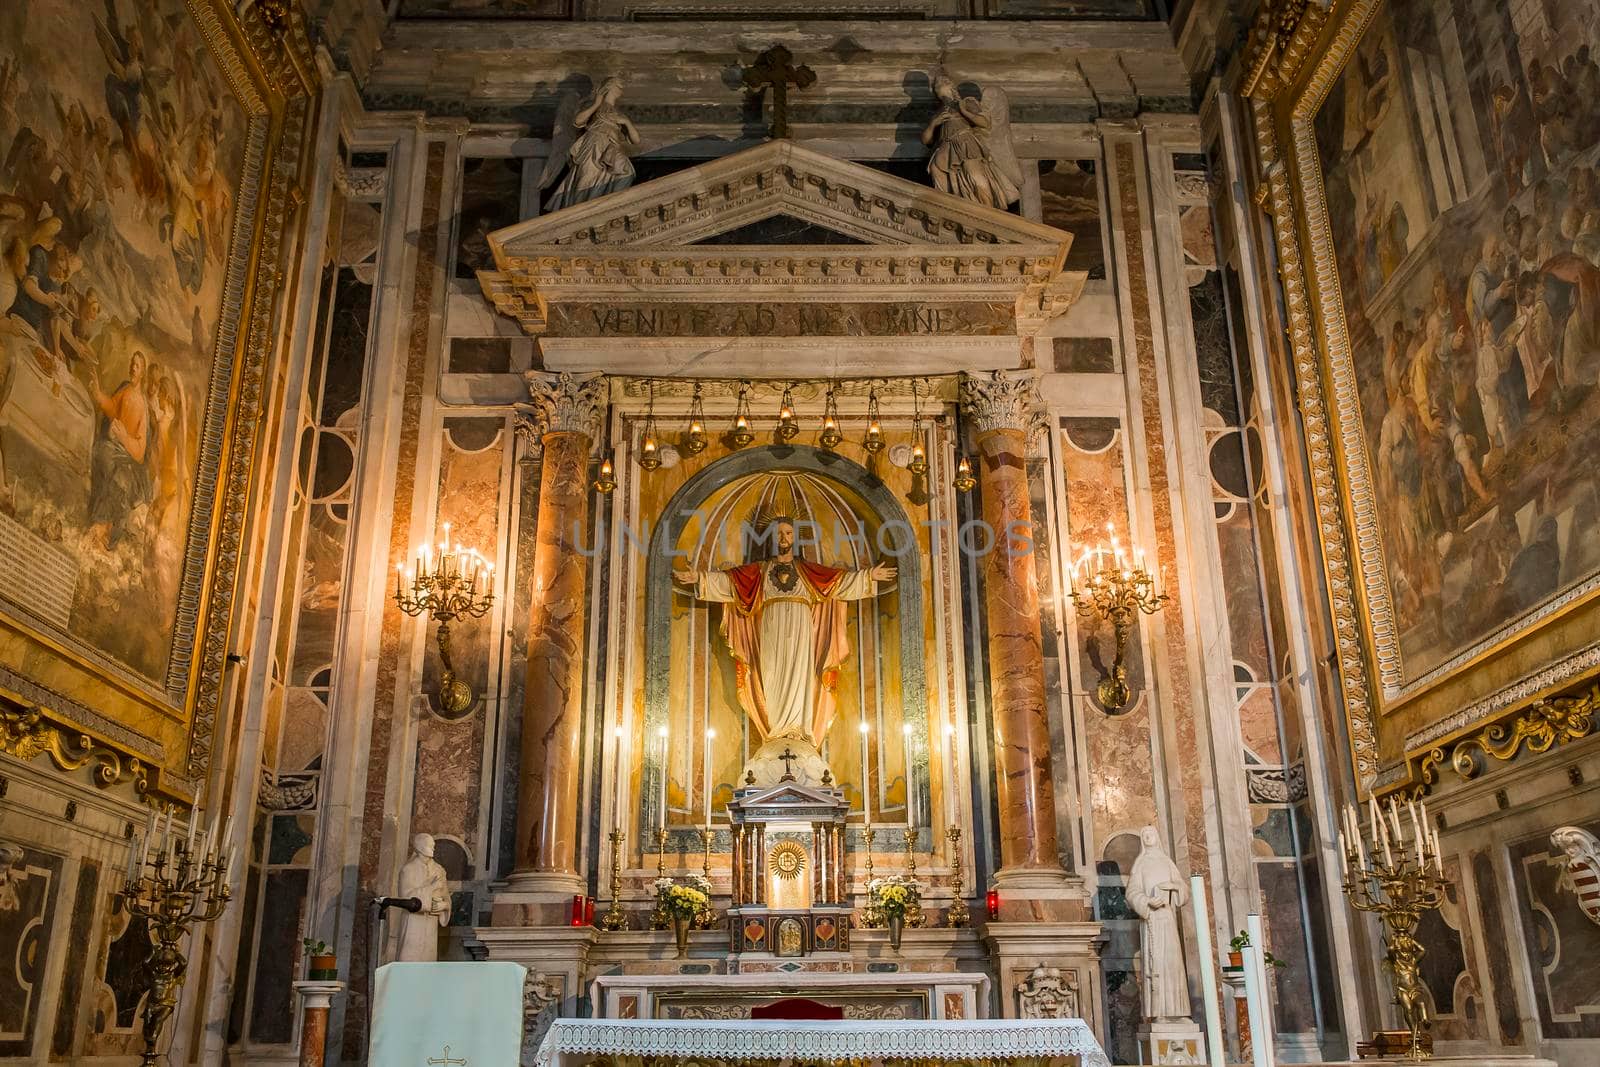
(1344,859)
(866,804)
(710,736)
(1208,970)
(661,775)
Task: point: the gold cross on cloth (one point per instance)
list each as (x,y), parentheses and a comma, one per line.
(444,1059)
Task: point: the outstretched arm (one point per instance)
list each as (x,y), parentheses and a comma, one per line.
(867,582)
(706,585)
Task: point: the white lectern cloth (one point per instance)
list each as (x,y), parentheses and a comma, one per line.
(447,1013)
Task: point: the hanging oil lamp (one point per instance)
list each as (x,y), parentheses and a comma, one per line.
(874,440)
(649,447)
(787,427)
(741,434)
(831,434)
(696,442)
(964,481)
(919,454)
(606,481)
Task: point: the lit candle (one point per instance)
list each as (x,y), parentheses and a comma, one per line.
(866,805)
(1394,819)
(399,569)
(1416,829)
(710,736)
(1344,858)
(662,775)
(1388,859)
(911,792)
(1372,814)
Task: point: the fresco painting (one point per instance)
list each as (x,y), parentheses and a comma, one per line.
(1459,153)
(121,150)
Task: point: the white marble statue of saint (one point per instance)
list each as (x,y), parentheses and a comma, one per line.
(972,152)
(785,627)
(423,878)
(592,147)
(1156,890)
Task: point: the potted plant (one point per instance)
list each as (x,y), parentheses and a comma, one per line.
(893,898)
(682,904)
(321,964)
(1236,947)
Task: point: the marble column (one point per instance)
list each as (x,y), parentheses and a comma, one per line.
(564,419)
(1003,410)
(316,998)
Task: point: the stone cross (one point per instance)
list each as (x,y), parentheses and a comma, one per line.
(774,69)
(788,757)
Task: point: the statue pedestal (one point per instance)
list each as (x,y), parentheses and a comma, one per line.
(1171,1041)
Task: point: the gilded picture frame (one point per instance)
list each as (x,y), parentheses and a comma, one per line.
(1398,719)
(59,698)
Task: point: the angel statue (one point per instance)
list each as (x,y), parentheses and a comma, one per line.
(972,152)
(592,146)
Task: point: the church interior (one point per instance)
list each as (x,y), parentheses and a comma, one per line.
(519,581)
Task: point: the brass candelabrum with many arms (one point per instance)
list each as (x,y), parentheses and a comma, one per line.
(1113,584)
(1397,884)
(456,585)
(183,885)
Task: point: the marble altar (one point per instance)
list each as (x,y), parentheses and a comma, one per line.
(901,995)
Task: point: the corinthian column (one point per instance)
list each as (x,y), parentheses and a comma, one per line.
(563,418)
(1004,409)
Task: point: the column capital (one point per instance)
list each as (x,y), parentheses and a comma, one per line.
(1003,400)
(562,403)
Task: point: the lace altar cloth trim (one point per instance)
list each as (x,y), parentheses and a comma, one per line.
(822,1042)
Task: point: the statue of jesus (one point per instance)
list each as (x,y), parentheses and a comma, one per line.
(785,628)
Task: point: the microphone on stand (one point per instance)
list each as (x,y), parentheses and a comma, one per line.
(411,904)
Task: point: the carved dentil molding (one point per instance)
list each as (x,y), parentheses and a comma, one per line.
(1003,400)
(562,403)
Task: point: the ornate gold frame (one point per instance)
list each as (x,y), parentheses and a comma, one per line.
(63,701)
(1297,50)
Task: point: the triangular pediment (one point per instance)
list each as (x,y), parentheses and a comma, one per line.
(788,794)
(775,180)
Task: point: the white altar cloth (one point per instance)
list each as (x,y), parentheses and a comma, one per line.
(1030,1042)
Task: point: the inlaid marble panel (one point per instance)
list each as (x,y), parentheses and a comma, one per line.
(30,884)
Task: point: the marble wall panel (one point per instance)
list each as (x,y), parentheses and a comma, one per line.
(1069,194)
(278,956)
(491,199)
(1293,1001)
(1563,944)
(1499,976)
(1449,967)
(80,938)
(30,887)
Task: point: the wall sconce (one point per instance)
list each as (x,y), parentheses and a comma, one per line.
(964,481)
(649,447)
(1112,584)
(606,481)
(696,442)
(831,434)
(741,434)
(874,442)
(787,426)
(458,585)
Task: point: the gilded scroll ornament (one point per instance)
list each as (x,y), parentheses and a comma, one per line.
(1537,728)
(25,734)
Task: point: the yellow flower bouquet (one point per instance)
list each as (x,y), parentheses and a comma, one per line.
(894,897)
(682,901)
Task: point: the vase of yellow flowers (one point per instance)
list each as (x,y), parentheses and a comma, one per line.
(682,903)
(894,897)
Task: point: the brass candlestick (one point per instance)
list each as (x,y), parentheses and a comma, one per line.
(915,917)
(659,920)
(870,919)
(615,918)
(957,915)
(181,887)
(708,914)
(1111,584)
(1399,888)
(457,585)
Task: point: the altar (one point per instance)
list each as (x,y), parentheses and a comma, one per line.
(899,996)
(620,1043)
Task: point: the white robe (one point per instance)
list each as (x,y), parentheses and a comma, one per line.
(423,878)
(1155,878)
(787,631)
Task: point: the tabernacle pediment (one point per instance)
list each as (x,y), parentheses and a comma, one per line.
(775,224)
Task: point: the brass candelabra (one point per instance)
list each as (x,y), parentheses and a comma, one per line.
(958,915)
(1399,887)
(1111,583)
(615,918)
(456,585)
(184,884)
